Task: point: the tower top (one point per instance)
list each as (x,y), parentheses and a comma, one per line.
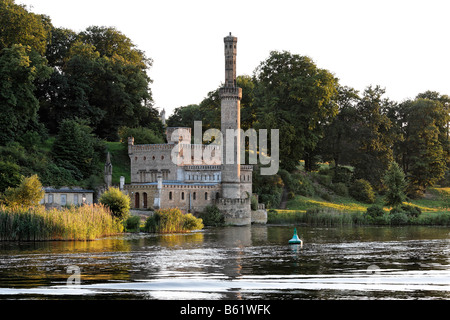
(230,61)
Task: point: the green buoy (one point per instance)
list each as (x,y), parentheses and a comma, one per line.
(295,239)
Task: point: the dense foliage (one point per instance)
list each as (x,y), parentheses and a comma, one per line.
(61,93)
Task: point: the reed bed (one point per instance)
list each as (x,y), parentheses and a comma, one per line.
(39,224)
(172,221)
(316,217)
(329,217)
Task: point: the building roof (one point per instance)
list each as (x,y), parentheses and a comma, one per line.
(67,190)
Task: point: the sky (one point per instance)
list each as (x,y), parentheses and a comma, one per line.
(403,46)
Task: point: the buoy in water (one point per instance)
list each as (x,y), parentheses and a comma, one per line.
(295,239)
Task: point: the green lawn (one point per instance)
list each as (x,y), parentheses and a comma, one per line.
(120,161)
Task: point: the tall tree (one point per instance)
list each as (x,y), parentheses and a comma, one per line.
(373,136)
(426,155)
(337,144)
(295,96)
(395,183)
(76,149)
(18,26)
(20,67)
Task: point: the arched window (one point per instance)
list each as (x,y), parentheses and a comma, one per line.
(194,195)
(170,195)
(206,195)
(182,196)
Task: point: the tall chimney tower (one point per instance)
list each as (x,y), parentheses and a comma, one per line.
(230,96)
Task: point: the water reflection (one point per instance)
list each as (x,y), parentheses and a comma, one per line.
(236,263)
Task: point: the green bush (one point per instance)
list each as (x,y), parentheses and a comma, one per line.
(212,216)
(302,185)
(362,191)
(118,203)
(132,224)
(340,189)
(28,193)
(375,211)
(254,202)
(411,211)
(342,174)
(398,217)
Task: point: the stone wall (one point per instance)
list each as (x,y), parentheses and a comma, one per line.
(236,211)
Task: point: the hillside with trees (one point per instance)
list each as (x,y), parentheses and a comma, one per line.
(64,95)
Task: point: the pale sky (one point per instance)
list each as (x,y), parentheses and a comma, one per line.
(403,46)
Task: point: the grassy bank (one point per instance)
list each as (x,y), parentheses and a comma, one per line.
(331,217)
(39,224)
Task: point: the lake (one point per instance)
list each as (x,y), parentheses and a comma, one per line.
(235,263)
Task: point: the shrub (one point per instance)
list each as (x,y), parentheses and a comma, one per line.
(302,185)
(342,174)
(375,211)
(212,216)
(398,217)
(172,221)
(411,211)
(28,193)
(118,203)
(362,191)
(394,180)
(254,202)
(132,224)
(340,189)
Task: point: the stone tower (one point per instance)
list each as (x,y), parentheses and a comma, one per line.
(230,96)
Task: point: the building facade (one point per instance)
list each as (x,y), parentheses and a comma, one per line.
(194,176)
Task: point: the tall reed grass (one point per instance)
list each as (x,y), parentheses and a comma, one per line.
(316,217)
(172,221)
(39,224)
(330,217)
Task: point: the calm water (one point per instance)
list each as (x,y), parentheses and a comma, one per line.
(236,263)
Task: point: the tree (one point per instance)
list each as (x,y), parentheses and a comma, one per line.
(426,154)
(141,135)
(394,181)
(77,149)
(9,175)
(337,144)
(117,202)
(28,193)
(293,95)
(373,137)
(20,67)
(99,76)
(18,26)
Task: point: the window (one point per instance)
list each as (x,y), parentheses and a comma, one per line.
(194,195)
(144,195)
(182,196)
(63,199)
(162,157)
(50,198)
(170,195)
(217,195)
(206,195)
(75,199)
(136,200)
